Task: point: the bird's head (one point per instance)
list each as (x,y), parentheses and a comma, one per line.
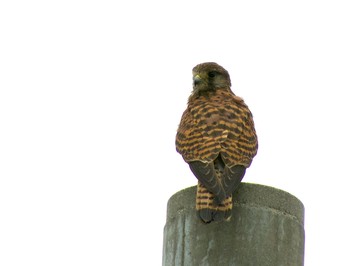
(209,76)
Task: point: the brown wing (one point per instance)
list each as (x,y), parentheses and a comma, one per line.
(241,145)
(215,124)
(194,140)
(220,123)
(198,141)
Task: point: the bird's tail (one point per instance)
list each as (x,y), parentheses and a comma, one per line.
(208,209)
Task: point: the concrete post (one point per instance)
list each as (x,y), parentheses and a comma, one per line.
(266,229)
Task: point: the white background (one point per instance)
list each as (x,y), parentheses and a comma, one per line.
(91,94)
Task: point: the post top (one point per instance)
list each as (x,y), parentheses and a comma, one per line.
(248,194)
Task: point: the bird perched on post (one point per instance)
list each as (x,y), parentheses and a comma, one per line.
(217,138)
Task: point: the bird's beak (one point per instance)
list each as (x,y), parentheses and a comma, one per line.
(197,79)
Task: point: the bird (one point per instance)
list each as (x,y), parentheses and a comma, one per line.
(217,138)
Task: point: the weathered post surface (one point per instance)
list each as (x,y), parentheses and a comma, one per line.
(266,229)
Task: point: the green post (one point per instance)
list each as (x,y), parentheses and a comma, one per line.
(266,229)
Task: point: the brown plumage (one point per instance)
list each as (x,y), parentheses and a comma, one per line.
(216,137)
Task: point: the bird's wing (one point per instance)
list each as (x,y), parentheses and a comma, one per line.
(222,126)
(206,175)
(198,141)
(240,146)
(193,141)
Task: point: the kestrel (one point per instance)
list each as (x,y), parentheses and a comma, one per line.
(217,138)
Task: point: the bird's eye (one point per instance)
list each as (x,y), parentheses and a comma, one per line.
(211,74)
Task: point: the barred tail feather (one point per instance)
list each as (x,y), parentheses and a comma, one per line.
(208,210)
(225,209)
